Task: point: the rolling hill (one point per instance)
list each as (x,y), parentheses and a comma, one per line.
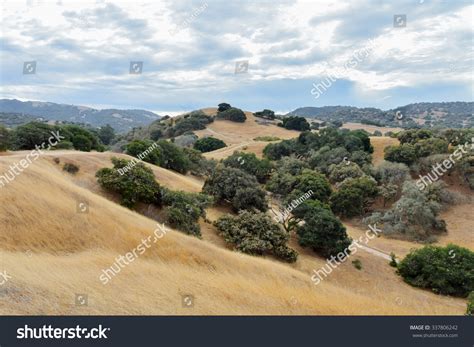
(53,252)
(424,114)
(120,120)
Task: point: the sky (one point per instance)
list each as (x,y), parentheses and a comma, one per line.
(173,56)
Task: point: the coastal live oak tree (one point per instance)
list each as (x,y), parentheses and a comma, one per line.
(106,134)
(4,138)
(444,270)
(223,107)
(233,114)
(236,187)
(321,230)
(257,234)
(248,162)
(208,144)
(136,185)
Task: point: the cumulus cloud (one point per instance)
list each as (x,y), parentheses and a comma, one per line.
(189,50)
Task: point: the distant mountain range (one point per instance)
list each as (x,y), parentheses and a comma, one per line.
(424,114)
(14,112)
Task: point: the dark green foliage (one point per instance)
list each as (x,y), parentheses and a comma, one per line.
(223,107)
(208,144)
(357,264)
(470,304)
(106,134)
(182,210)
(393,260)
(267,114)
(233,114)
(236,187)
(82,143)
(364,137)
(156,134)
(405,154)
(412,136)
(323,232)
(198,164)
(4,138)
(83,139)
(71,168)
(275,151)
(445,270)
(424,148)
(255,233)
(29,135)
(136,185)
(196,120)
(248,162)
(144,150)
(295,123)
(173,157)
(354,196)
(315,183)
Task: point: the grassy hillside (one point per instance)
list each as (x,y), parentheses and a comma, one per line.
(53,252)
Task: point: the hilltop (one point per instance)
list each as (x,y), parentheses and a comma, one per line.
(424,114)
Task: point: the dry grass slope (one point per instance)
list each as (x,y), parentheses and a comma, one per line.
(52,252)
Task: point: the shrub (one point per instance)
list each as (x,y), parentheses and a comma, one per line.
(208,144)
(136,185)
(231,185)
(255,233)
(405,154)
(413,216)
(275,151)
(267,114)
(199,165)
(310,180)
(223,107)
(470,304)
(4,138)
(393,173)
(393,260)
(144,150)
(322,231)
(295,123)
(233,114)
(71,168)
(248,162)
(29,135)
(82,143)
(344,170)
(172,157)
(183,210)
(445,270)
(267,138)
(357,264)
(106,134)
(353,196)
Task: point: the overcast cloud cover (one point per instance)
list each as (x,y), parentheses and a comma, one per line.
(83,51)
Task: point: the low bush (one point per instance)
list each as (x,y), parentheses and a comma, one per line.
(208,144)
(137,184)
(255,233)
(233,114)
(71,168)
(444,270)
(182,210)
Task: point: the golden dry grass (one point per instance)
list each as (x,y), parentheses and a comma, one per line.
(370,128)
(233,133)
(52,252)
(379,143)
